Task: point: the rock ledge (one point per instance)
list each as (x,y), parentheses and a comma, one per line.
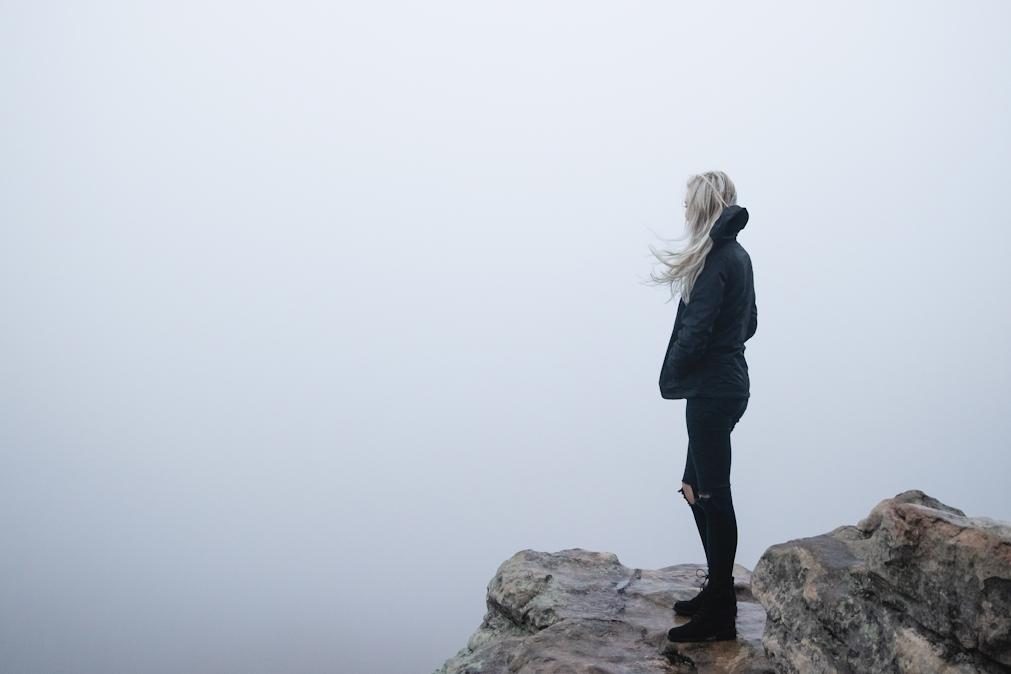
(915,587)
(582,611)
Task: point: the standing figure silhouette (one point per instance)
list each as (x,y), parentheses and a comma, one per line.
(705,365)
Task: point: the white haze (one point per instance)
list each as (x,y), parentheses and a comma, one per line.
(314,313)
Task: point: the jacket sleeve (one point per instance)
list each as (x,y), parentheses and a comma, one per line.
(753,323)
(698,319)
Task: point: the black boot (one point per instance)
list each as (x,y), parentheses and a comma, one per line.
(691,606)
(714,620)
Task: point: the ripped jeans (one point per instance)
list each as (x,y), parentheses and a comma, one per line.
(707,470)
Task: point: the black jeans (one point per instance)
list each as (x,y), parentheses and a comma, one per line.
(707,470)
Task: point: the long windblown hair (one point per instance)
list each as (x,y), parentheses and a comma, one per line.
(706,196)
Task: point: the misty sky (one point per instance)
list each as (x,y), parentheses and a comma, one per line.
(315,313)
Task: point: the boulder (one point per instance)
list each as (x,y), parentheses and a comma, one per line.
(916,586)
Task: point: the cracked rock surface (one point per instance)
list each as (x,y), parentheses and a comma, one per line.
(916,586)
(578,611)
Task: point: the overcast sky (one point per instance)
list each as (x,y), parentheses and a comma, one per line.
(314,313)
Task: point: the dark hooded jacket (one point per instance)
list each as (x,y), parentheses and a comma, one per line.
(705,355)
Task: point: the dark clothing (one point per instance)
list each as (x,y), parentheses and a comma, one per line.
(709,422)
(705,355)
(707,470)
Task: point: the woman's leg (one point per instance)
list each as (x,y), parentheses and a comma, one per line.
(700,515)
(710,421)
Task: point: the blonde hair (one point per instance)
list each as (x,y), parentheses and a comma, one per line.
(706,196)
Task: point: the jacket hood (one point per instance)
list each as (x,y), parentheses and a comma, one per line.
(731,221)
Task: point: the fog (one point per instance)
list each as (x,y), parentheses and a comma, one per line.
(315,313)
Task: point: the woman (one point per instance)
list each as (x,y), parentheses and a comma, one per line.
(705,365)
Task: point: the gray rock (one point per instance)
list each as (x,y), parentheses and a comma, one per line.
(916,586)
(577,611)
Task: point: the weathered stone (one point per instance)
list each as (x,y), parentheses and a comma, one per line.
(916,586)
(578,611)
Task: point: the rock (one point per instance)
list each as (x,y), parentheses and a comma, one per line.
(916,586)
(577,611)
